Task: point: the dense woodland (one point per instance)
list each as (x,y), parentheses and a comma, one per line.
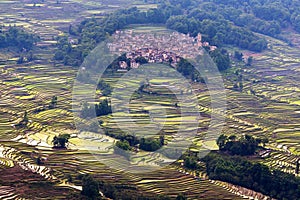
(263,16)
(268,16)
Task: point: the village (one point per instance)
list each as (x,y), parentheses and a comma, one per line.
(156,48)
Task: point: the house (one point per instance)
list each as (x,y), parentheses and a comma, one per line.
(72,41)
(156,48)
(123,65)
(134,64)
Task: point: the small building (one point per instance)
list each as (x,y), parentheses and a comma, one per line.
(134,64)
(212,48)
(205,44)
(73,41)
(123,65)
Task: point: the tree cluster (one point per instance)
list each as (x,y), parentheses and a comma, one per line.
(221,58)
(151,144)
(103,108)
(188,70)
(17,37)
(255,176)
(123,145)
(60,141)
(190,162)
(26,56)
(104,87)
(90,187)
(128,141)
(244,145)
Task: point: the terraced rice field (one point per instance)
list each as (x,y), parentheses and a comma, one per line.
(30,87)
(273,111)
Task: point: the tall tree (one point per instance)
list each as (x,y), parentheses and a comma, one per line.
(90,187)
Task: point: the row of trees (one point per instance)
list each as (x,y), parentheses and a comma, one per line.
(219,56)
(255,176)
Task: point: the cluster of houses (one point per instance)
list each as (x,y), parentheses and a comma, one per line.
(156,47)
(152,56)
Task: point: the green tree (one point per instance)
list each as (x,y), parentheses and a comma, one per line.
(161,140)
(181,197)
(86,110)
(149,144)
(221,58)
(53,102)
(221,141)
(90,187)
(60,141)
(20,60)
(238,55)
(25,118)
(264,141)
(249,61)
(103,108)
(39,160)
(141,60)
(241,86)
(190,162)
(104,87)
(123,145)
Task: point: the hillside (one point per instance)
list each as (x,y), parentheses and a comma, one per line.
(45,47)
